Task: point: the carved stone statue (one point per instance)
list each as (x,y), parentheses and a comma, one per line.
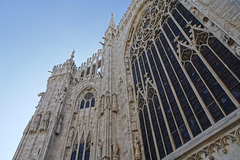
(137,149)
(134,126)
(101,105)
(45,121)
(35,124)
(114,104)
(70,138)
(100,144)
(130,93)
(107,101)
(127,63)
(58,129)
(115,150)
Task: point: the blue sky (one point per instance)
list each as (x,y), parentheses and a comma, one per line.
(35,35)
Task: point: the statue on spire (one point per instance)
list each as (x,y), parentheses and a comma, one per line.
(73,52)
(112,22)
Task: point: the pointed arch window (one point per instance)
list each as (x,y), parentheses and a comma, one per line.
(93,102)
(81,149)
(88,101)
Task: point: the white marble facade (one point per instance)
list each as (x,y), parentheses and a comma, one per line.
(109,123)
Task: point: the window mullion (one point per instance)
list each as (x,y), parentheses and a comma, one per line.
(141,76)
(208,88)
(146,131)
(217,78)
(175,96)
(154,136)
(165,119)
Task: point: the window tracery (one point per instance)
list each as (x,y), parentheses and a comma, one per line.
(195,77)
(81,151)
(87,101)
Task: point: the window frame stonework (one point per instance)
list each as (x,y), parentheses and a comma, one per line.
(152,58)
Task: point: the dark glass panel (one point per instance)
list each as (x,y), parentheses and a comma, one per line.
(161,121)
(227,104)
(143,130)
(87,151)
(236,92)
(203,120)
(87,104)
(150,136)
(204,93)
(154,70)
(93,102)
(226,56)
(176,31)
(194,126)
(146,64)
(181,21)
(184,133)
(155,126)
(177,139)
(134,77)
(216,89)
(228,79)
(215,111)
(74,152)
(142,70)
(80,151)
(187,15)
(82,104)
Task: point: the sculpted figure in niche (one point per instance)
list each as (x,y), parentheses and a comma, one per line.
(114,105)
(45,122)
(35,123)
(80,125)
(101,105)
(58,129)
(70,138)
(130,93)
(100,144)
(137,149)
(107,101)
(127,63)
(115,150)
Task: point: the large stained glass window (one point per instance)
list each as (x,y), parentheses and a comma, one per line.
(185,79)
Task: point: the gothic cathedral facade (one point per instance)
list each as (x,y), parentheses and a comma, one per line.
(165,85)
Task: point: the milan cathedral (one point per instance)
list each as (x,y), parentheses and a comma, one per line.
(164,85)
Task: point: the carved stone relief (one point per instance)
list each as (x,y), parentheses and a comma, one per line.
(59,125)
(70,138)
(45,122)
(35,123)
(114,103)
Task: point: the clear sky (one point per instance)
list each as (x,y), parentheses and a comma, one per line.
(35,35)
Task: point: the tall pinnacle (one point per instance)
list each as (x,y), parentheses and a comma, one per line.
(112,22)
